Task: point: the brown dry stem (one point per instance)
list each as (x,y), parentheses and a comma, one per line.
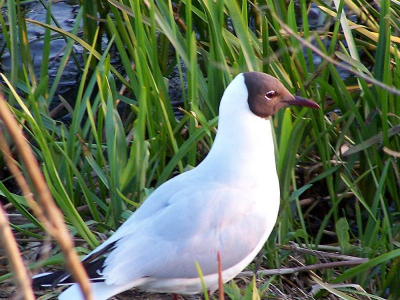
(54,223)
(21,275)
(220,282)
(320,266)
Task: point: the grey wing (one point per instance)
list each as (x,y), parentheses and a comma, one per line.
(193,227)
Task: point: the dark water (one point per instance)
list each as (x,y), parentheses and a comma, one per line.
(64,12)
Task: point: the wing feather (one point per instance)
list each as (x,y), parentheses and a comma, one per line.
(194,224)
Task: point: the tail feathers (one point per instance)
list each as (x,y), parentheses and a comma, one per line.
(60,278)
(52,279)
(100,291)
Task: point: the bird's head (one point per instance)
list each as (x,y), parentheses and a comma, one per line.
(266,95)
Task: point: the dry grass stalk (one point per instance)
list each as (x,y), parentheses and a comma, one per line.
(54,223)
(220,282)
(319,266)
(21,275)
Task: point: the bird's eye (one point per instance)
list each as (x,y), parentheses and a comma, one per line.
(270,95)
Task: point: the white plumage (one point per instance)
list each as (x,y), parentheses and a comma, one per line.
(229,203)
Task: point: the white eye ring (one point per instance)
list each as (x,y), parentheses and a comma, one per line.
(270,95)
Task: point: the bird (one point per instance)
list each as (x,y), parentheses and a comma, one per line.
(228,204)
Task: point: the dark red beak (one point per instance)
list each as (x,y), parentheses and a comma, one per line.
(300,101)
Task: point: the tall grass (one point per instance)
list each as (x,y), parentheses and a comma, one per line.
(341,160)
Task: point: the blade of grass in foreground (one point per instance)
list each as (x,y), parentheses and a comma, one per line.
(198,268)
(13,44)
(241,30)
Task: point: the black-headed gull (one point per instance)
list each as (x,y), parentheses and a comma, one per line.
(227,204)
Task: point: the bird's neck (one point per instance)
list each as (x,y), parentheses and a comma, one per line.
(243,150)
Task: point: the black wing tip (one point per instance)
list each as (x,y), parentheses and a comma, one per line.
(93,264)
(51,279)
